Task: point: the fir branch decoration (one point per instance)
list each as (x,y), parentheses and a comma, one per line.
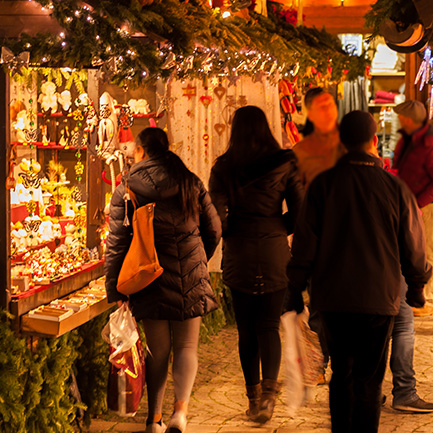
(402,12)
(140,38)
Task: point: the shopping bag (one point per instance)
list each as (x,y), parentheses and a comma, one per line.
(127,371)
(303,358)
(292,363)
(141,265)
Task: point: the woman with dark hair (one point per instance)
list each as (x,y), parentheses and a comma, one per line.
(248,185)
(187,230)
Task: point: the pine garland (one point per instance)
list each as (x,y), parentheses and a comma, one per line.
(105,30)
(402,12)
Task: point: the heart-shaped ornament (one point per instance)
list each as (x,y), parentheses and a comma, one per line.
(206,100)
(219,92)
(219,128)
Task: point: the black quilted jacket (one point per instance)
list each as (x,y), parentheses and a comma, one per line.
(183,291)
(250,204)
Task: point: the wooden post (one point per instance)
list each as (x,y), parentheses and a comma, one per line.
(95,188)
(5,216)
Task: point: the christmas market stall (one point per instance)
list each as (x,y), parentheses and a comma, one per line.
(79,81)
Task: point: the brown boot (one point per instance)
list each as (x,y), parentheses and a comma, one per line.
(270,389)
(253,393)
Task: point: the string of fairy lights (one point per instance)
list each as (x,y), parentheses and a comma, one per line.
(129,49)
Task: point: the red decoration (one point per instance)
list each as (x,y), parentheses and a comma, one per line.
(206,100)
(189,91)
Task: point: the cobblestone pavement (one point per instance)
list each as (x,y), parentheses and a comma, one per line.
(218,402)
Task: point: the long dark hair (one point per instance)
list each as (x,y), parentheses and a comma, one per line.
(155,143)
(250,138)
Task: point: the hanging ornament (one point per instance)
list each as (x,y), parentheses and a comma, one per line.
(77,195)
(258,77)
(170,61)
(219,128)
(424,72)
(252,63)
(189,91)
(188,63)
(30,169)
(107,69)
(77,140)
(31,135)
(14,63)
(219,91)
(166,103)
(242,101)
(206,100)
(233,79)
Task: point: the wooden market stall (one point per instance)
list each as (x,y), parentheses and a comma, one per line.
(53,57)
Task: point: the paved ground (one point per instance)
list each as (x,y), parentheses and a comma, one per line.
(219,402)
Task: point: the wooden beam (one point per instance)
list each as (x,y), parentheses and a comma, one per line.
(5,217)
(336,20)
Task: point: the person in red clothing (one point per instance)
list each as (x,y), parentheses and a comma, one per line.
(413,160)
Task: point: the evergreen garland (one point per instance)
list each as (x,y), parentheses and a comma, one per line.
(402,12)
(105,30)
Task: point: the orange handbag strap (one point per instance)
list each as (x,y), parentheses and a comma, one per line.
(133,198)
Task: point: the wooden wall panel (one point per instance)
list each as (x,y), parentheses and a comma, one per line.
(340,19)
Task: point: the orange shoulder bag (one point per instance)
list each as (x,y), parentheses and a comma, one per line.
(141,265)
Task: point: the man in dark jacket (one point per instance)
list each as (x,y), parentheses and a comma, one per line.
(359,226)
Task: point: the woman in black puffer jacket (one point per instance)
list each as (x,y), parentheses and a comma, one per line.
(248,186)
(187,230)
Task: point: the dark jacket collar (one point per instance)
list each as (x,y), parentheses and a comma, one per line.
(360,158)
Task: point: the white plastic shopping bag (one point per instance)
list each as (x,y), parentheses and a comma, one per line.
(303,358)
(292,363)
(127,373)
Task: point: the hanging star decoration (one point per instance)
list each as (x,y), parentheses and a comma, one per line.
(166,103)
(189,91)
(233,79)
(258,76)
(14,63)
(107,69)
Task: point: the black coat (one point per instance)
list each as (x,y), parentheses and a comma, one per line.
(183,291)
(358,230)
(256,249)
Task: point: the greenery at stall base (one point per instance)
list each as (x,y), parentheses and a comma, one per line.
(183,39)
(35,378)
(34,382)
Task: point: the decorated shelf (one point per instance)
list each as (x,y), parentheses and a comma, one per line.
(23,302)
(52,245)
(63,315)
(49,145)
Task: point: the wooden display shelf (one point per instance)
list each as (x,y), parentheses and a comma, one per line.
(387,73)
(53,329)
(49,145)
(23,302)
(391,104)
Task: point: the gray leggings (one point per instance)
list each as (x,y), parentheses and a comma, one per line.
(185,360)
